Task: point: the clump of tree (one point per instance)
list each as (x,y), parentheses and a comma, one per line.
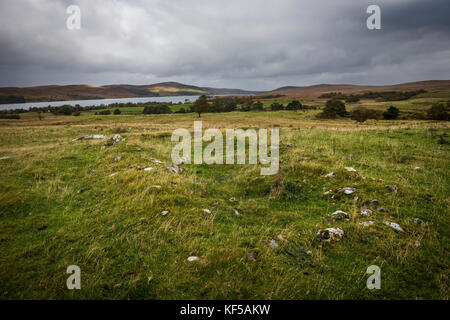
(391,113)
(10,116)
(370,95)
(352,99)
(333,109)
(104,112)
(157,109)
(201,105)
(11,99)
(439,111)
(276,106)
(361,114)
(294,105)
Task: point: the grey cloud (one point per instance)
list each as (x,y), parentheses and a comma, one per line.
(251,44)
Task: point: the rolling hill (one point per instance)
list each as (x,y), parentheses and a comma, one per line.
(316,90)
(83,92)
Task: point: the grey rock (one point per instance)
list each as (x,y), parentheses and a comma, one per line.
(367,223)
(394,226)
(366,212)
(273,244)
(340,215)
(372,203)
(348,190)
(330,234)
(330,175)
(420,222)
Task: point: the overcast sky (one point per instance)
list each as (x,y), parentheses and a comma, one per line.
(225,43)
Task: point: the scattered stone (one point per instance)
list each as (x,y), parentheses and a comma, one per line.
(394,226)
(273,244)
(94,136)
(257,179)
(366,212)
(289,145)
(330,234)
(93,170)
(330,175)
(367,223)
(165,212)
(251,255)
(156,187)
(356,198)
(192,258)
(350,169)
(381,209)
(393,188)
(428,197)
(281,238)
(233,199)
(114,140)
(420,222)
(206,211)
(42,228)
(305,158)
(4,158)
(416,168)
(118,158)
(328,192)
(372,203)
(236,212)
(175,169)
(348,190)
(155,161)
(417,243)
(149,169)
(113,174)
(340,215)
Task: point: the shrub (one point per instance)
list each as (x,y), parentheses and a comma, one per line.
(438,111)
(76,113)
(117,111)
(333,109)
(104,112)
(294,105)
(276,106)
(157,109)
(391,113)
(10,116)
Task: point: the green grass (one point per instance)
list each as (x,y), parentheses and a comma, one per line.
(113,229)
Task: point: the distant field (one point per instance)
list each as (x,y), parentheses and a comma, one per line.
(55,211)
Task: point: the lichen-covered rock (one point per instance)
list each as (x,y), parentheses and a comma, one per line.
(367,223)
(94,136)
(394,226)
(420,222)
(348,190)
(366,212)
(340,215)
(330,234)
(273,244)
(330,175)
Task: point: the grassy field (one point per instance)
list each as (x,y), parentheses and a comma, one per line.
(59,206)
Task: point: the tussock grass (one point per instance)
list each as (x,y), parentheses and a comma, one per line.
(112,227)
